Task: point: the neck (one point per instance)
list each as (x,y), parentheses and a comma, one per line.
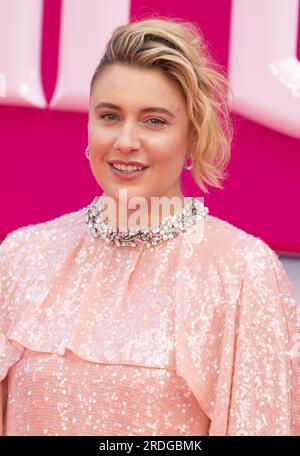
(147,215)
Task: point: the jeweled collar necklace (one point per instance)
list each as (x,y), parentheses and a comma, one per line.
(170,227)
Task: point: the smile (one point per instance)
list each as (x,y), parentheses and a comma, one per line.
(127,174)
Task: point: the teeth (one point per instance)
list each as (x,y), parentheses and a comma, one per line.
(126,168)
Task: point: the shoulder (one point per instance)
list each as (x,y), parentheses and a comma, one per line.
(42,238)
(227,244)
(250,258)
(222,232)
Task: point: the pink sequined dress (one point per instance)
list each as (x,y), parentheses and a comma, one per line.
(184,338)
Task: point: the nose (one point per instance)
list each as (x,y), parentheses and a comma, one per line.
(127,140)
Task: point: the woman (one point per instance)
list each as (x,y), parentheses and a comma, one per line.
(178,325)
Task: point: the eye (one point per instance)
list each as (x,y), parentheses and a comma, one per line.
(159,121)
(113,116)
(103,116)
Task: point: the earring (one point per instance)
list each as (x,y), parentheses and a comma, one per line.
(87,153)
(191,164)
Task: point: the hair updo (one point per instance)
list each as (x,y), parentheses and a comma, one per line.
(178,49)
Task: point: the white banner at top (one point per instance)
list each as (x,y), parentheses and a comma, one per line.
(264,72)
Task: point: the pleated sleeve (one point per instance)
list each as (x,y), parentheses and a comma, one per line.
(238,339)
(264,393)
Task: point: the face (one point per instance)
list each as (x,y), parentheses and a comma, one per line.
(136,130)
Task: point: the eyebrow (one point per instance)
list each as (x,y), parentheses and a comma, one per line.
(144,110)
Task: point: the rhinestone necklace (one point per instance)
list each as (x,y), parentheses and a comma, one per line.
(170,227)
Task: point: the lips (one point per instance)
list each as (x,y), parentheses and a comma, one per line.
(127,175)
(130,163)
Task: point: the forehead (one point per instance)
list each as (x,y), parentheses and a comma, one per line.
(146,86)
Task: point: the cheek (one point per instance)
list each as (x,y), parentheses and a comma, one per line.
(100,144)
(170,150)
(169,159)
(99,136)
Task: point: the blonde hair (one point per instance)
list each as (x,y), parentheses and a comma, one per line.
(178,49)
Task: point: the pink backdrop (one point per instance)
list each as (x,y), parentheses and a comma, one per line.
(44,172)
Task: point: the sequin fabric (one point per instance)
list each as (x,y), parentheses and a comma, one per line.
(183,338)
